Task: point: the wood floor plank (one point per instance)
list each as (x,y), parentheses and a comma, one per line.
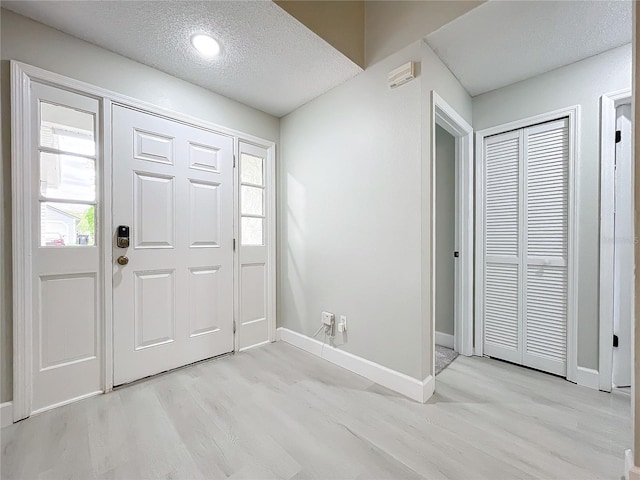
(277,412)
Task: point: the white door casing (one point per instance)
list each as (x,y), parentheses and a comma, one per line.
(525,245)
(173,301)
(624,251)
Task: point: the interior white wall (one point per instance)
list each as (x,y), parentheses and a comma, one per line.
(350,215)
(445,229)
(581,83)
(36,44)
(355,200)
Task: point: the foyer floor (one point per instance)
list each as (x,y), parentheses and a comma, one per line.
(278,412)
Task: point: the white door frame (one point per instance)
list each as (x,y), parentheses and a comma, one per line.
(608,104)
(573,113)
(21,76)
(444,115)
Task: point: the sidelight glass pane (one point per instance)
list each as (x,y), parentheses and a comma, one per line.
(64,224)
(251,200)
(68,177)
(67,129)
(252,231)
(251,169)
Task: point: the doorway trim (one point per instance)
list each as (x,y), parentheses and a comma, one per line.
(608,104)
(22,75)
(573,113)
(444,115)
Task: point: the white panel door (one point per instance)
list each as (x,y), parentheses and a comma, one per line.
(624,235)
(66,314)
(526,246)
(502,240)
(253,305)
(546,209)
(173,300)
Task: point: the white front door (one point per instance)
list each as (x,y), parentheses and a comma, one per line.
(623,278)
(173,299)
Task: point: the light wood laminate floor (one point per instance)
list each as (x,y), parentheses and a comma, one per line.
(278,412)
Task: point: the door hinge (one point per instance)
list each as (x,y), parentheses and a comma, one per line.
(615,340)
(234,160)
(234,244)
(618,136)
(456,254)
(234,326)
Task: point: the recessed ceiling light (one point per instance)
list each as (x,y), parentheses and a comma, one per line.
(206,45)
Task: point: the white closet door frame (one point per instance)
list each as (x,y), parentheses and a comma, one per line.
(573,113)
(21,76)
(608,105)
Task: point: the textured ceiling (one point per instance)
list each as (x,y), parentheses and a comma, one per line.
(500,43)
(269,60)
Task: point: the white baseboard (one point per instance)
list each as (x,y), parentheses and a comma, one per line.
(417,390)
(444,340)
(6,414)
(588,377)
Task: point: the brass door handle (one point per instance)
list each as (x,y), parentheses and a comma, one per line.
(122,260)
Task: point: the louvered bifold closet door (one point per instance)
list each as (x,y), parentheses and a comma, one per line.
(502,253)
(546,167)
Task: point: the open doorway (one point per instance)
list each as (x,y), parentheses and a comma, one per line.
(446,252)
(452,235)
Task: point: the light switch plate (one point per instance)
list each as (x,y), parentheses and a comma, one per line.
(342,326)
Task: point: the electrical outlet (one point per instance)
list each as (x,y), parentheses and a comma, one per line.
(329,322)
(328,319)
(342,326)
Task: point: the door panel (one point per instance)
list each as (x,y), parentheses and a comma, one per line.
(153,204)
(526,246)
(502,304)
(204,298)
(502,311)
(624,235)
(546,208)
(173,301)
(154,299)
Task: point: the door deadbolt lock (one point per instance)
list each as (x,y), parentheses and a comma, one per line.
(122,260)
(122,237)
